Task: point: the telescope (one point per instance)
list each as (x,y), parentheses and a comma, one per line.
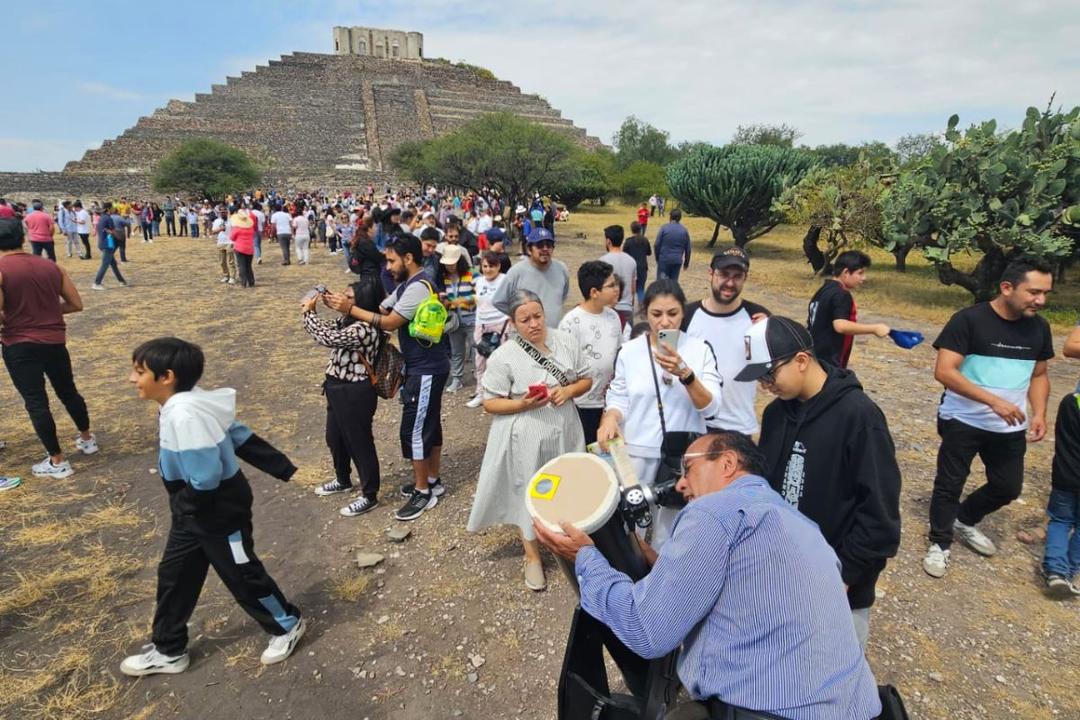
(587,492)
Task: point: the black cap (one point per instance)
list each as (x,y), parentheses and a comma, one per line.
(769,341)
(728,256)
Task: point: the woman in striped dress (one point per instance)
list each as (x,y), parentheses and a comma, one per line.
(527,430)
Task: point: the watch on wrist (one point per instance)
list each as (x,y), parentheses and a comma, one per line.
(688,379)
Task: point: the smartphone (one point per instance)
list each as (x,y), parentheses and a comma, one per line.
(539,391)
(669,338)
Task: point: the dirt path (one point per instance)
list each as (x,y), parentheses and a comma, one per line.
(443,627)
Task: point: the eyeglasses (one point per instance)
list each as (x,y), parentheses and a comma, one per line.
(684,467)
(770,377)
(609,285)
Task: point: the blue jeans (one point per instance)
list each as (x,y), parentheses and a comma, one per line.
(642,278)
(1062,553)
(108,260)
(258,245)
(668,270)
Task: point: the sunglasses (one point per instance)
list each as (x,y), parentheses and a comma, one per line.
(549,244)
(770,377)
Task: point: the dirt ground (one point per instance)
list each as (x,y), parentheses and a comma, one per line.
(444,626)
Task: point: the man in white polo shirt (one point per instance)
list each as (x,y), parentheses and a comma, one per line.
(722,319)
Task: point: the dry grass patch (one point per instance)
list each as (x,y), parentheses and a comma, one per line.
(349,588)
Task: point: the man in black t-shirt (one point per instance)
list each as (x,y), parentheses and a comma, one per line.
(637,246)
(832,317)
(992,361)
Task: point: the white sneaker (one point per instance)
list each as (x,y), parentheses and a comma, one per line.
(476,401)
(974,539)
(936,562)
(46,468)
(231,281)
(151,662)
(454,386)
(282,646)
(224,279)
(95,286)
(88,447)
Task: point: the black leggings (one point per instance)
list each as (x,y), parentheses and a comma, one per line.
(85,237)
(244,270)
(29,364)
(350,412)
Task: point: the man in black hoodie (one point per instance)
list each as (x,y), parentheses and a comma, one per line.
(829,453)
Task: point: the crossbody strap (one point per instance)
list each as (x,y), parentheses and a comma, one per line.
(545,362)
(656,385)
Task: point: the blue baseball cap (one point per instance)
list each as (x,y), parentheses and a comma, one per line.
(540,235)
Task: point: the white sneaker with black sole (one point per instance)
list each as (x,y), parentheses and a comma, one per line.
(282,646)
(47,469)
(87,447)
(437,488)
(151,662)
(1058,586)
(936,562)
(974,539)
(332,487)
(359,506)
(415,506)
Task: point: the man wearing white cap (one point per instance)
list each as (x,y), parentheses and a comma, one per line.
(829,453)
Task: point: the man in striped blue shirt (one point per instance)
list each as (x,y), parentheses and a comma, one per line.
(747,586)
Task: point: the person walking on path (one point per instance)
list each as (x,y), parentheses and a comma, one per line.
(282,223)
(35,294)
(672,248)
(108,232)
(638,247)
(832,317)
(992,360)
(68,228)
(83,224)
(625,268)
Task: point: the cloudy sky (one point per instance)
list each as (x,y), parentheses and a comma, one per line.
(839,71)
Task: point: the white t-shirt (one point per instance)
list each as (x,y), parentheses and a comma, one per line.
(600,337)
(282,222)
(725,334)
(486,312)
(260,220)
(82,221)
(301,227)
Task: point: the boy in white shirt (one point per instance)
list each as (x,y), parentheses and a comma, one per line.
(598,330)
(489,319)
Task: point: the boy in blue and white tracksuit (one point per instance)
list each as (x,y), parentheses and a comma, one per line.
(210,499)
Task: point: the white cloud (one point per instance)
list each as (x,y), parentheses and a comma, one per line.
(110,92)
(31,155)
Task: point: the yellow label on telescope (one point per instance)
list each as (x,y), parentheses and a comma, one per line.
(543,486)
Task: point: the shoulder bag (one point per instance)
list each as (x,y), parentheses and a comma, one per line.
(673,445)
(388,370)
(543,361)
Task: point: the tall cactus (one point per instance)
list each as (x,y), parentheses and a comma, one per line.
(736,185)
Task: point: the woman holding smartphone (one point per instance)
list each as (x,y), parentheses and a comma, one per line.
(665,382)
(529,385)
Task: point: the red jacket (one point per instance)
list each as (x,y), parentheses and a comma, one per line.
(243,240)
(643,216)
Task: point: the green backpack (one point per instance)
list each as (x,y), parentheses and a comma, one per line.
(429,320)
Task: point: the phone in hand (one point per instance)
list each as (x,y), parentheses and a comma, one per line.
(538,391)
(669,338)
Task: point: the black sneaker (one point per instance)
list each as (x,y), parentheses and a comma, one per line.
(1058,586)
(415,506)
(332,487)
(359,506)
(437,488)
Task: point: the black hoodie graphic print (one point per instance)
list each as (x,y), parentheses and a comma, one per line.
(832,457)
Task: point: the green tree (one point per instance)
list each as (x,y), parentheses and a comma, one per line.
(914,147)
(762,134)
(411,160)
(640,180)
(498,150)
(993,195)
(637,141)
(592,178)
(842,154)
(205,169)
(736,185)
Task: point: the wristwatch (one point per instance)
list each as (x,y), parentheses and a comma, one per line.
(688,379)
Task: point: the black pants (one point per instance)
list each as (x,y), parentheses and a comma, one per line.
(29,364)
(189,553)
(85,237)
(244,270)
(350,412)
(183,226)
(170,226)
(147,232)
(121,248)
(1003,456)
(47,246)
(284,241)
(590,422)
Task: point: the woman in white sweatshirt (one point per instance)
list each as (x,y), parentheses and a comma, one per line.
(650,378)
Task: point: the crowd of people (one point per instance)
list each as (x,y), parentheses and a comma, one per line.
(635,361)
